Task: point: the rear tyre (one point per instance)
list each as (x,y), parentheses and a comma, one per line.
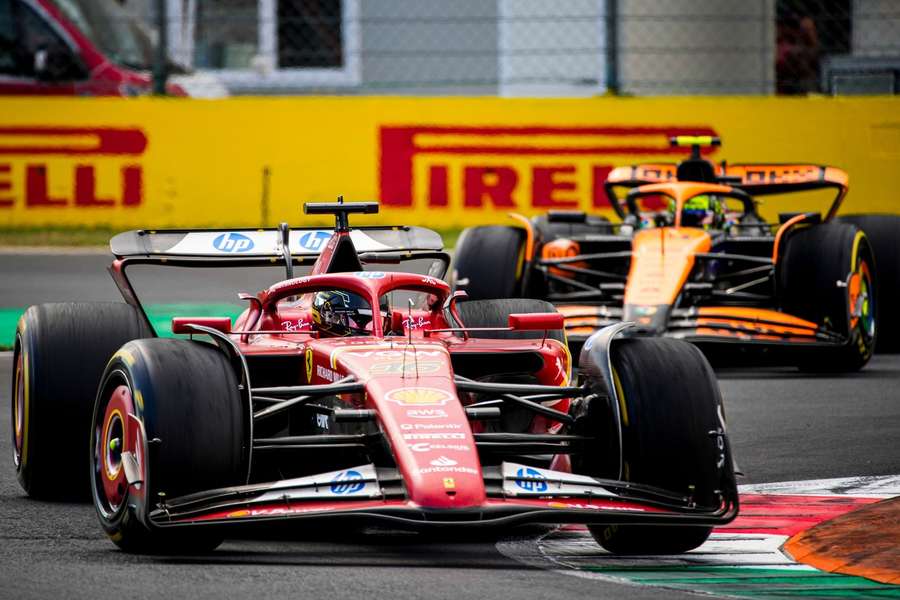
(489,262)
(883,233)
(827,276)
(495,313)
(553,229)
(59,356)
(185,395)
(669,405)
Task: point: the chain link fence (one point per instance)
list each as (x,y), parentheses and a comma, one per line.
(494,47)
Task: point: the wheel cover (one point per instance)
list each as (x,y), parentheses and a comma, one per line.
(862,304)
(19,410)
(109,446)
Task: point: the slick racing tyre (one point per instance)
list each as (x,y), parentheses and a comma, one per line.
(495,313)
(551,229)
(883,232)
(167,422)
(827,276)
(489,262)
(673,438)
(59,355)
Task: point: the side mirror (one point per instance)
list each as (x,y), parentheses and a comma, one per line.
(536,321)
(183,324)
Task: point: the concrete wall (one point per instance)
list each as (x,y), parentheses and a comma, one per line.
(429,47)
(876,28)
(551,48)
(697,46)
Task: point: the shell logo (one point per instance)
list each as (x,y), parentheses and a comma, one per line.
(419,397)
(237,514)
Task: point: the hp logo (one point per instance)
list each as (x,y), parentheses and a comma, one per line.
(531,485)
(233,242)
(347,482)
(314,240)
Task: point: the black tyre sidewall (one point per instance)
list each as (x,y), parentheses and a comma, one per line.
(67,346)
(883,233)
(495,313)
(190,402)
(814,260)
(673,400)
(671,404)
(490,258)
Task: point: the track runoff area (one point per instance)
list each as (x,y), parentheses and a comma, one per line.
(835,538)
(823,535)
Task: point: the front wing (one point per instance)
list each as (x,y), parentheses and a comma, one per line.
(517,494)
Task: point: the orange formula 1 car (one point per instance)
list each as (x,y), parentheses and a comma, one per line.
(691,258)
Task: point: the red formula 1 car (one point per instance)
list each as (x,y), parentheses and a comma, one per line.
(691,258)
(361,392)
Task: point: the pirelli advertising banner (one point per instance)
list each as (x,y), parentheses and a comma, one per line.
(439,162)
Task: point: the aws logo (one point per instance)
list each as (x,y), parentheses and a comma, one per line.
(71,167)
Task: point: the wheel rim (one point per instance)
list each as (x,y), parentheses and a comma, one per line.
(19,410)
(110,444)
(862,303)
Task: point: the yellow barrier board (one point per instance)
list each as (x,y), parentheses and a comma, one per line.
(430,161)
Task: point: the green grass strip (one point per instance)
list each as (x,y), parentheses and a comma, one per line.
(753,581)
(160,316)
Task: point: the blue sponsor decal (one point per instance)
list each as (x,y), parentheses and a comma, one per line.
(314,240)
(347,482)
(369,274)
(233,242)
(531,486)
(589,343)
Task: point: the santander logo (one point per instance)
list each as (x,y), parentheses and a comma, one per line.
(443,461)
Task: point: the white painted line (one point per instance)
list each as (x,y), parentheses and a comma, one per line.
(883,486)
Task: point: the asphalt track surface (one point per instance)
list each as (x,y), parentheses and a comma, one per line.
(783,426)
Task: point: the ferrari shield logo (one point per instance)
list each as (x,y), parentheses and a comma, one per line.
(418,396)
(309,364)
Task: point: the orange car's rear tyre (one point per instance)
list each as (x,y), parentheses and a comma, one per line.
(673,437)
(185,396)
(827,276)
(489,262)
(883,233)
(59,356)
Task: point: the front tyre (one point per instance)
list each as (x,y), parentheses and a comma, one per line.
(827,276)
(673,437)
(883,233)
(168,421)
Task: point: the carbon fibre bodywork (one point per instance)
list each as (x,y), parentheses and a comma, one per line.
(404,423)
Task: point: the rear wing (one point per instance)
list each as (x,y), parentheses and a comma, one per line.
(266,243)
(760,179)
(757,179)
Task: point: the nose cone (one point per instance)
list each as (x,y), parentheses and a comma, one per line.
(424,422)
(648,320)
(432,442)
(661,262)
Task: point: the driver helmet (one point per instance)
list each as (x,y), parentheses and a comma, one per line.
(339,313)
(704,211)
